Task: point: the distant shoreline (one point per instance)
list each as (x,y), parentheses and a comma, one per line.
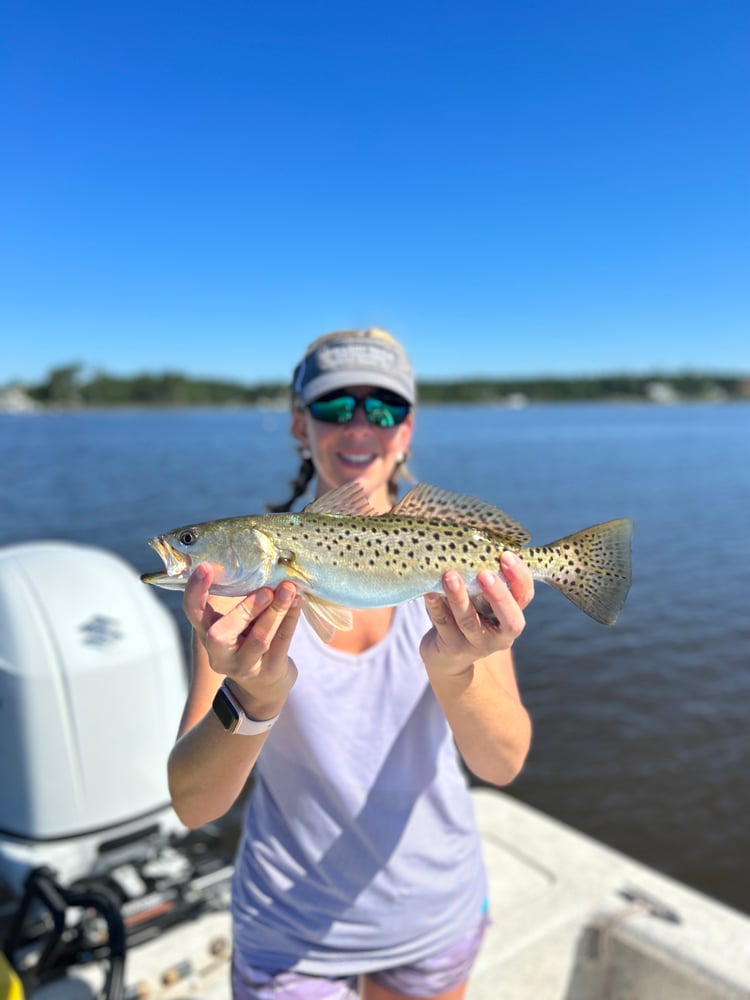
(65,388)
(136,408)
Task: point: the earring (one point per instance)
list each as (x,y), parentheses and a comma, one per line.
(400,458)
(305,454)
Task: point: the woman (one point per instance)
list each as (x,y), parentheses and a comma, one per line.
(360,865)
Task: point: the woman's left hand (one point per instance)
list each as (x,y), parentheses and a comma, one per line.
(460,635)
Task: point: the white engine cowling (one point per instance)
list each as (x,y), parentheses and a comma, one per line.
(92,685)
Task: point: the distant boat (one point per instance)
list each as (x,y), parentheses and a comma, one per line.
(517,401)
(13,399)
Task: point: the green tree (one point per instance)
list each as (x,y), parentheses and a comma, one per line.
(62,388)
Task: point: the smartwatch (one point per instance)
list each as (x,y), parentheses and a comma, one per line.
(230,714)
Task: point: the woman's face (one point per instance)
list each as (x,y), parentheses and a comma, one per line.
(356,450)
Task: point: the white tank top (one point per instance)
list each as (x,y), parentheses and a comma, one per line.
(360,849)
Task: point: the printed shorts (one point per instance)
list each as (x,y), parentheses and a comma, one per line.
(431,976)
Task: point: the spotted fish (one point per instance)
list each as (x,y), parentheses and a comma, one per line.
(343,555)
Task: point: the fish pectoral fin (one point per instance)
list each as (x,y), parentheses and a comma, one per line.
(293,570)
(434,502)
(348,499)
(326,618)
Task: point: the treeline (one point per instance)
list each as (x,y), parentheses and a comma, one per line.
(66,386)
(605,387)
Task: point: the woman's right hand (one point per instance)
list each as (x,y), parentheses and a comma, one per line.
(250,642)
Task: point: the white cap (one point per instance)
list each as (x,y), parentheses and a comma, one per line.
(356,359)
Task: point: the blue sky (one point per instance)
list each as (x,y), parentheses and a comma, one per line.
(511,188)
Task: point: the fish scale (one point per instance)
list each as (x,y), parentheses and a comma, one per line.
(395,545)
(343,555)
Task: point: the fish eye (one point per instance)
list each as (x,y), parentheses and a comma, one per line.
(188,537)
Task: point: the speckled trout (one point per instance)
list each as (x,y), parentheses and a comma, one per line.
(343,555)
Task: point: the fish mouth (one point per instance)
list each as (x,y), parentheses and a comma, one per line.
(178,566)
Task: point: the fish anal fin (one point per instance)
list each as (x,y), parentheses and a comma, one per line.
(348,499)
(325,618)
(434,502)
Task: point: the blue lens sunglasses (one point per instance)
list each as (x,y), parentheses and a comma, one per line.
(385,409)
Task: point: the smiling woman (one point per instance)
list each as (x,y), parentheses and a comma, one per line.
(324,384)
(360,857)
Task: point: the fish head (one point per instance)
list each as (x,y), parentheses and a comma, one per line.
(241,556)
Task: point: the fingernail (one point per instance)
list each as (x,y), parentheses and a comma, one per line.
(509,559)
(452,582)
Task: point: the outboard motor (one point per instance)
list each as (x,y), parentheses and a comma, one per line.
(92,685)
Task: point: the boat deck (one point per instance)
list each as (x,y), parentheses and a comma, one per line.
(572,920)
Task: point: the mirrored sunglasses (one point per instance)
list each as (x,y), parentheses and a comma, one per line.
(382,410)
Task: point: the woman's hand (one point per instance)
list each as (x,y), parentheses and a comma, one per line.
(250,642)
(470,666)
(460,635)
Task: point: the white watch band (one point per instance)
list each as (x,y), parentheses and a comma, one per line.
(232,715)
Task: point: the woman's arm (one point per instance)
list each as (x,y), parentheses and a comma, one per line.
(470,666)
(248,643)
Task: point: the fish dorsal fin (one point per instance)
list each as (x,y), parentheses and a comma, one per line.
(428,501)
(326,618)
(348,499)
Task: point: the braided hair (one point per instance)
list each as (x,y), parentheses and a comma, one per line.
(299,486)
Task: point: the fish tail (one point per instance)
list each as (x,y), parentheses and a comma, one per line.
(591,568)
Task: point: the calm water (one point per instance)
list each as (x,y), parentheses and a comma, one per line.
(640,730)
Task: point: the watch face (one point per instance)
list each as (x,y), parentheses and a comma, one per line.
(226,711)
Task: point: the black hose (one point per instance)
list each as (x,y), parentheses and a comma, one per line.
(42,886)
